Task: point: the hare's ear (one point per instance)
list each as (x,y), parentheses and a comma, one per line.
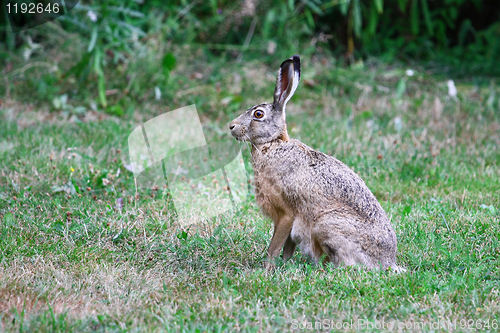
(286,82)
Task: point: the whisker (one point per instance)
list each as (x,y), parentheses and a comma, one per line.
(252,144)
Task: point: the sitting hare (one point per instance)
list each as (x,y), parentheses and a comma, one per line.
(315,200)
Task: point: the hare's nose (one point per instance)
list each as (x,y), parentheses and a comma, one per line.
(231,126)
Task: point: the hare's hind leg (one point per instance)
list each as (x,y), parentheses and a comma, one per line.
(336,237)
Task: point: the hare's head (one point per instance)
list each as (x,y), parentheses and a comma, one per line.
(267,121)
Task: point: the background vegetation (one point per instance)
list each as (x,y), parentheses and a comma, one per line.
(114,45)
(80,250)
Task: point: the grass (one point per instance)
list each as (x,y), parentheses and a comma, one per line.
(74,258)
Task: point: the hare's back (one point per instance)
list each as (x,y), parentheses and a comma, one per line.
(314,176)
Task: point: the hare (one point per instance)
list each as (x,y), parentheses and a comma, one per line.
(315,200)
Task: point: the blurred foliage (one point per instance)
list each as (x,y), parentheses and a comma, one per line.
(388,28)
(130,43)
(111,31)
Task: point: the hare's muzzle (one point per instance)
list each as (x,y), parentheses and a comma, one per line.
(236,130)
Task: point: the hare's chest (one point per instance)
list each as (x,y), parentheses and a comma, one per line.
(269,193)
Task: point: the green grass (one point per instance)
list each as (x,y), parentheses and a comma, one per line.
(77,262)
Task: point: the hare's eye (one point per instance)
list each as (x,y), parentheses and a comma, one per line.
(258,114)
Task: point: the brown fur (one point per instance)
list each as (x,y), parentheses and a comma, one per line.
(315,200)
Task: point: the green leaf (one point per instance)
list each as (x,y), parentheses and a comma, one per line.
(97,62)
(182,235)
(344,7)
(169,62)
(267,26)
(57,103)
(102,90)
(93,40)
(101,81)
(213,4)
(400,88)
(402,5)
(453,13)
(314,8)
(357,21)
(414,21)
(291,5)
(379,4)
(309,17)
(427,17)
(366,114)
(407,210)
(116,110)
(372,21)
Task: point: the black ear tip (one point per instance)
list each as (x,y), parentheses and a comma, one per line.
(296,63)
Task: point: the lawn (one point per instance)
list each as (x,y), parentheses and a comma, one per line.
(81,250)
